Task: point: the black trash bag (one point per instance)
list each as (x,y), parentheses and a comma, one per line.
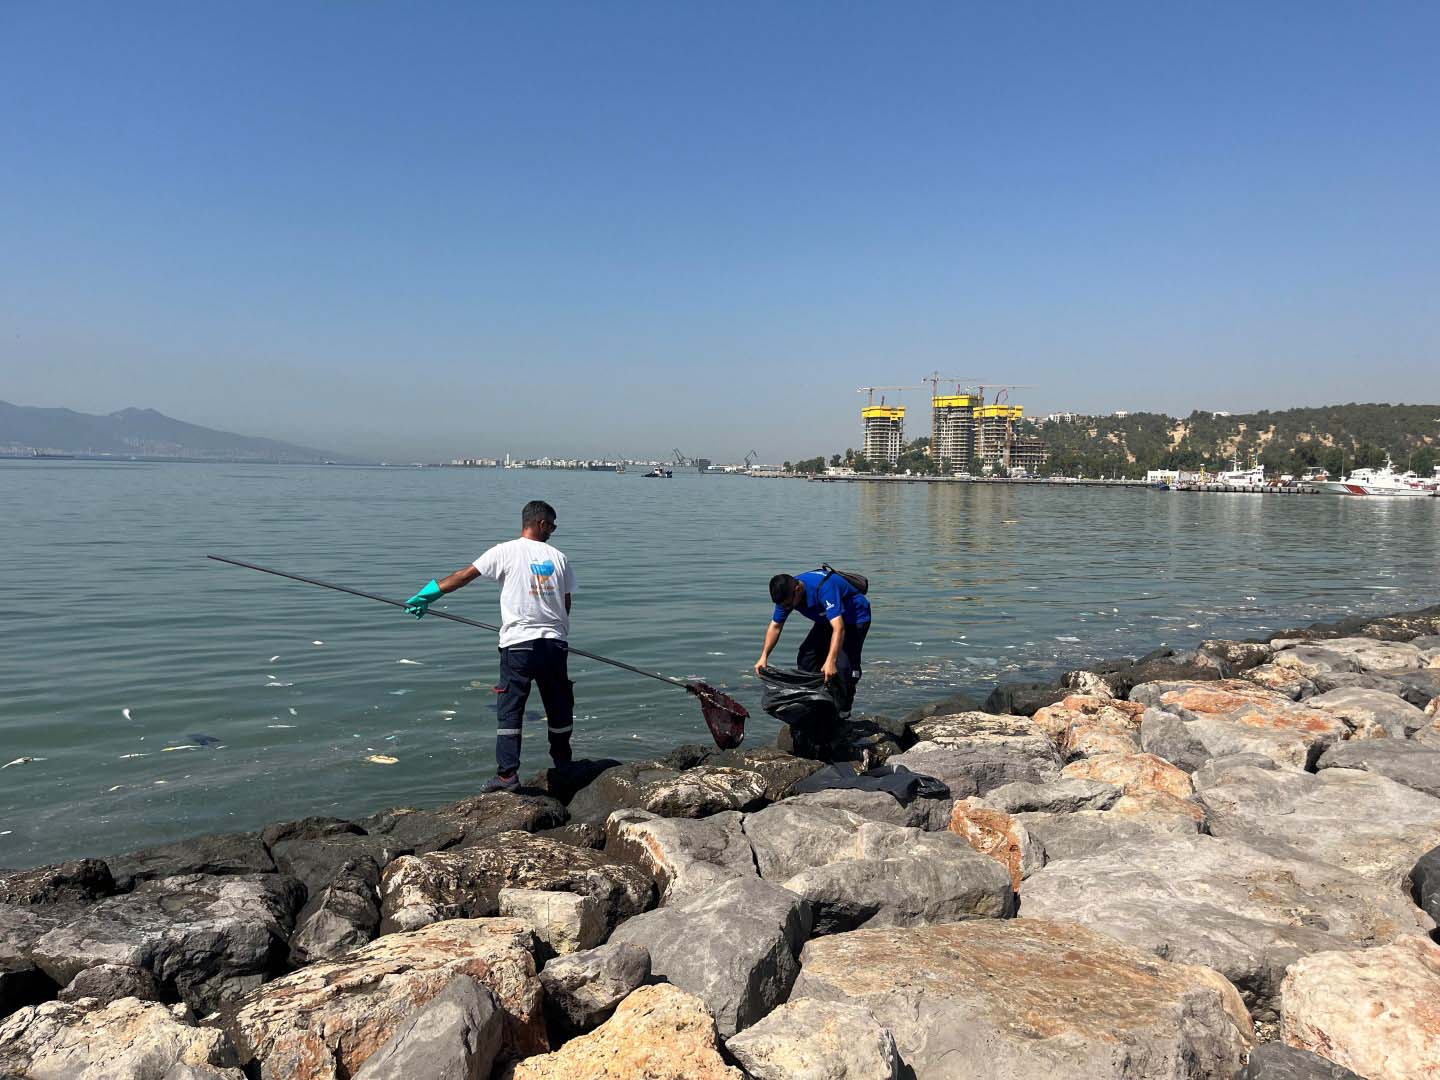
(894,780)
(803,699)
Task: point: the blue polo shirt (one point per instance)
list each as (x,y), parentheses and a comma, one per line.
(828,595)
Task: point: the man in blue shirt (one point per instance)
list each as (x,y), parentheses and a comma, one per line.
(841,614)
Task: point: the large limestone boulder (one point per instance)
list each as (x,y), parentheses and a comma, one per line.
(817,1040)
(1089,832)
(466,822)
(1132,773)
(82,881)
(343,915)
(658,1032)
(1400,760)
(1358,821)
(228,853)
(1233,716)
(854,871)
(453,1036)
(1373,1011)
(1166,736)
(973,753)
(465,883)
(1025,998)
(928,814)
(1371,714)
(1310,661)
(685,856)
(127,1039)
(325,1021)
(733,946)
(1221,903)
(1059,797)
(1283,679)
(1000,836)
(583,989)
(105,983)
(1085,725)
(206,939)
(670,792)
(1376,657)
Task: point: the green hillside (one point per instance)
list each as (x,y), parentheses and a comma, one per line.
(1339,437)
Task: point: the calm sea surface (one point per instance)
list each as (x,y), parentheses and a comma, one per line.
(118,639)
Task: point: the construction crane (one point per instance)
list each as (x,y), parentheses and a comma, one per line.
(680,459)
(751,458)
(871,391)
(935,379)
(1002,392)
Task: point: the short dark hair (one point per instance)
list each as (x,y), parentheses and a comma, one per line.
(535,512)
(782,588)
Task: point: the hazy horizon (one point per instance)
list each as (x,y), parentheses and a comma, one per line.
(428,233)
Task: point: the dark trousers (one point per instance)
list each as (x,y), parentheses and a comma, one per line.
(816,647)
(541,661)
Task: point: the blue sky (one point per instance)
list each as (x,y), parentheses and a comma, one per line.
(420,230)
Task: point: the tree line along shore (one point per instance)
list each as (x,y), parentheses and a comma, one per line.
(1219,862)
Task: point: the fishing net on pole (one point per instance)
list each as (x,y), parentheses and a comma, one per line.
(723,714)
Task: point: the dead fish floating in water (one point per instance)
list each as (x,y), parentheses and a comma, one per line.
(382,759)
(21,761)
(126,713)
(417,663)
(203,740)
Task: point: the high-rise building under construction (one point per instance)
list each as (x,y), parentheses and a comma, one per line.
(999,447)
(884,432)
(952,438)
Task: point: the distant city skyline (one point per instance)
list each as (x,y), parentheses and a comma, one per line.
(598,231)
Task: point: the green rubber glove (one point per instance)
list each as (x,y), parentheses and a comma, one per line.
(418,604)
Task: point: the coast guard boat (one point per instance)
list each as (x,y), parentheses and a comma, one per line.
(1238,477)
(1385,482)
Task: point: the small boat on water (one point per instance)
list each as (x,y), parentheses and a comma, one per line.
(1382,482)
(659,474)
(1238,477)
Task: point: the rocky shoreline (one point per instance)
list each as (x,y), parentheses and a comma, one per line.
(1222,862)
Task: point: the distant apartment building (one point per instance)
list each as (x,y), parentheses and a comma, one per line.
(884,435)
(999,448)
(952,438)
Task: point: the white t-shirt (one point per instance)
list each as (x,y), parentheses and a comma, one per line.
(534,580)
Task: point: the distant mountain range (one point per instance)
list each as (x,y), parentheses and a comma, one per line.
(139,432)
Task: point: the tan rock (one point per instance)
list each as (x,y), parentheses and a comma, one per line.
(323,1021)
(564,922)
(1132,774)
(1155,804)
(1233,716)
(996,834)
(1016,999)
(1281,679)
(70,1041)
(657,1033)
(1088,725)
(1374,1011)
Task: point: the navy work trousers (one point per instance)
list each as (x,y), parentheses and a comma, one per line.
(541,661)
(816,647)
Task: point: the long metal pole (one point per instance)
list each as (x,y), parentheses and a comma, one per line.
(443,615)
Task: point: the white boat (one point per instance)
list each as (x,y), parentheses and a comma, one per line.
(1238,477)
(1383,482)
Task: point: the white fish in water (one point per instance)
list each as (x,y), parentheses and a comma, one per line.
(117,787)
(186,746)
(162,781)
(21,761)
(417,663)
(397,693)
(7,832)
(447,712)
(279,685)
(382,759)
(293,712)
(123,757)
(317,643)
(126,713)
(274,658)
(285,727)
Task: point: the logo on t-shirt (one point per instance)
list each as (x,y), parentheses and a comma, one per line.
(544,574)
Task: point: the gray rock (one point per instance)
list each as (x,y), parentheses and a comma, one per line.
(207,939)
(890,876)
(1239,655)
(582,834)
(974,765)
(1162,665)
(1371,712)
(685,856)
(316,862)
(1359,821)
(564,784)
(80,882)
(1404,762)
(650,785)
(465,883)
(111,982)
(1083,833)
(1362,680)
(734,947)
(123,1040)
(1166,736)
(342,916)
(1425,883)
(563,922)
(227,853)
(466,822)
(1312,660)
(992,998)
(1214,771)
(1378,657)
(21,984)
(181,1071)
(1023,699)
(1276,1061)
(931,815)
(793,836)
(582,989)
(310,828)
(1283,680)
(817,1040)
(781,771)
(453,1036)
(1221,903)
(1063,796)
(956,703)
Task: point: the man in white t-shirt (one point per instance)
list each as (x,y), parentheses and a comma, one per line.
(535,587)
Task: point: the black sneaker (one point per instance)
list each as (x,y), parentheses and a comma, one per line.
(501,783)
